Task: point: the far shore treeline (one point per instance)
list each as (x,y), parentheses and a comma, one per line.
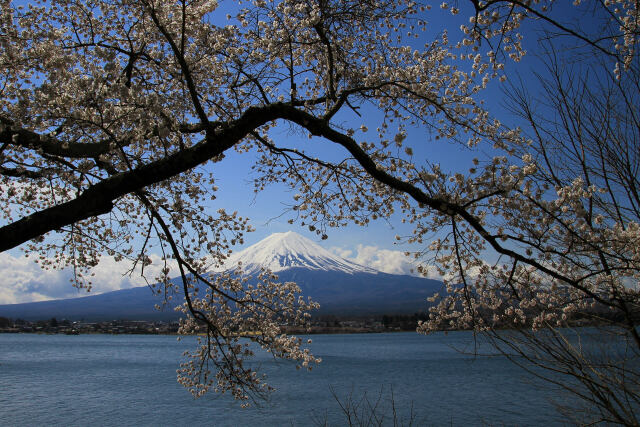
(323,324)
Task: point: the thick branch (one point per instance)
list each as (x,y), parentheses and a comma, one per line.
(322,128)
(11,134)
(99,198)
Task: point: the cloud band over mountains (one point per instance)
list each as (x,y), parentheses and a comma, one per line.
(23,280)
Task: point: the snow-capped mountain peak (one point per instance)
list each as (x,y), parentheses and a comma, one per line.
(282,251)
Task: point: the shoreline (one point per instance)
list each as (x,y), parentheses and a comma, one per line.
(288,331)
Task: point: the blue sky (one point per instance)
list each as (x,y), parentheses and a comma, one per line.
(265,208)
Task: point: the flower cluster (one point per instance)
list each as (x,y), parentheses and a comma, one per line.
(231,318)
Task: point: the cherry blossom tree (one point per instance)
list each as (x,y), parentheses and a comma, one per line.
(564,220)
(114,114)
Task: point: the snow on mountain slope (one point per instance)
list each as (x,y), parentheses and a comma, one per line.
(282,251)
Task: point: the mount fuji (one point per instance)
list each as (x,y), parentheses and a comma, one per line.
(340,286)
(284,251)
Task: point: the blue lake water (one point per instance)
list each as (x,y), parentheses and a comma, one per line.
(115,380)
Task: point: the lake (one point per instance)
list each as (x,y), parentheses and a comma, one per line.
(115,380)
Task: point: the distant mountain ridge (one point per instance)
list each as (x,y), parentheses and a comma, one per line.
(342,287)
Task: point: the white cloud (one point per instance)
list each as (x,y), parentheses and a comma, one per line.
(385,260)
(341,252)
(22,280)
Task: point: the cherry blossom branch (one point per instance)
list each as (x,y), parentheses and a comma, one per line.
(12,134)
(186,71)
(481,6)
(99,198)
(321,128)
